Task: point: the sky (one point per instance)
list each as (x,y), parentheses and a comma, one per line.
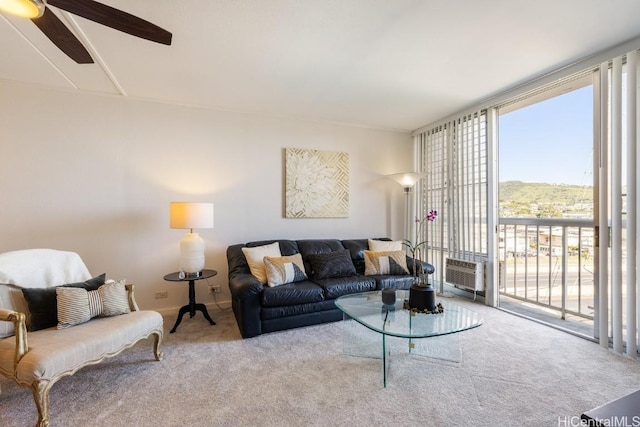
(550,142)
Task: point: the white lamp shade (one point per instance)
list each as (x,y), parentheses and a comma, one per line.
(407,179)
(191,215)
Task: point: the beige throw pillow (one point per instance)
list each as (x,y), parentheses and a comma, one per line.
(384,246)
(255,259)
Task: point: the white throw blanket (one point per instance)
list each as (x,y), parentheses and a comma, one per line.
(41,268)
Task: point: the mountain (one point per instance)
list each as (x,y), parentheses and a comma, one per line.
(540,193)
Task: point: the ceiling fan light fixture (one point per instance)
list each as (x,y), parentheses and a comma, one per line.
(23,8)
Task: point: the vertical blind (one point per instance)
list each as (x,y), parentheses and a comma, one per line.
(453,154)
(617,302)
(454,157)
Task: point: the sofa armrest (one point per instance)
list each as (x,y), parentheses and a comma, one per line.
(20,322)
(245,286)
(426,267)
(246,294)
(133,306)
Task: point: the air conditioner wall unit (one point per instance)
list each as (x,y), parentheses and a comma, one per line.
(465,274)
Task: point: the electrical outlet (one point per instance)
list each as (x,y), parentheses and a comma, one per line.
(160,295)
(214,289)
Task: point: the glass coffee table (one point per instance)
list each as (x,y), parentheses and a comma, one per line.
(393,320)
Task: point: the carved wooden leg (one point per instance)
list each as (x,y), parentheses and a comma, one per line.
(157,339)
(40,391)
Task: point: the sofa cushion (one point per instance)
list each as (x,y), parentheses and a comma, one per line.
(55,351)
(384,245)
(255,259)
(389,262)
(338,286)
(287,247)
(292,293)
(331,264)
(43,305)
(286,269)
(356,247)
(397,282)
(317,246)
(270,313)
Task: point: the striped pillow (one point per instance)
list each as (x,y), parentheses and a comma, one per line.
(77,305)
(115,299)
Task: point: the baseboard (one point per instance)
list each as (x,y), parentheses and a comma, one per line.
(211,306)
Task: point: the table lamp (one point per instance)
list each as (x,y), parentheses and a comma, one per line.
(189,216)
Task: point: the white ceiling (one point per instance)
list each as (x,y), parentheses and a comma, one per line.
(393,64)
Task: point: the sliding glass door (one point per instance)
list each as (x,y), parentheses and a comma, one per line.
(546,204)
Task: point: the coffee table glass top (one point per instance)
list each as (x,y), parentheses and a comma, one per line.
(367,309)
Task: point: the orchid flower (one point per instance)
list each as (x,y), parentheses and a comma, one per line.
(414,247)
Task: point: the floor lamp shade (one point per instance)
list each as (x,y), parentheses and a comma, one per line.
(407,180)
(189,216)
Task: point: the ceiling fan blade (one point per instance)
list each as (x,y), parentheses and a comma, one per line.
(114,18)
(62,37)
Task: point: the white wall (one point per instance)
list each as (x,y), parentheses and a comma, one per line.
(95,175)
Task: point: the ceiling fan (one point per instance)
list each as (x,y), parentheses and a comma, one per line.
(47,21)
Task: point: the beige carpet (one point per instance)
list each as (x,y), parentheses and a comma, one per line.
(512,372)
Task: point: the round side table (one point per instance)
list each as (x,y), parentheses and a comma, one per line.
(192,306)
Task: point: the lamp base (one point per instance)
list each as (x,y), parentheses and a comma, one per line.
(193,275)
(192,254)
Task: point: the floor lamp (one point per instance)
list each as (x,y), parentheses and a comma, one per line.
(408,181)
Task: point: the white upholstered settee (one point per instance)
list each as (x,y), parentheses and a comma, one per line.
(36,348)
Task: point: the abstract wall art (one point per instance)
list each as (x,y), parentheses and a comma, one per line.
(317,184)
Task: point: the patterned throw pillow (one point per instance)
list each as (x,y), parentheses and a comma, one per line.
(391,262)
(332,264)
(255,259)
(385,246)
(77,305)
(283,270)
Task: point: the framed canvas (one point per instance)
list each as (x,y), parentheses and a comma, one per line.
(316,184)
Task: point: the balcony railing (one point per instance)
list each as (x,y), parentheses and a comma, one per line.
(548,262)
